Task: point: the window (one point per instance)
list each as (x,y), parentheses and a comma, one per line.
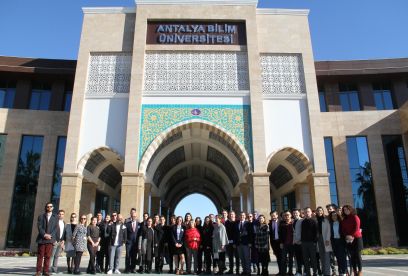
(67,101)
(398,182)
(289,201)
(40,97)
(274,207)
(363,188)
(383,96)
(7,94)
(3,138)
(58,167)
(101,203)
(322,100)
(349,98)
(25,192)
(328,147)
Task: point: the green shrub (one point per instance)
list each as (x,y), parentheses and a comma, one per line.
(368,251)
(382,251)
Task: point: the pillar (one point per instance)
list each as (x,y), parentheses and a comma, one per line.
(243,194)
(147,198)
(235,204)
(320,190)
(132,194)
(344,192)
(88,195)
(261,193)
(155,205)
(302,191)
(71,187)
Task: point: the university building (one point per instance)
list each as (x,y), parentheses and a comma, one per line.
(217,97)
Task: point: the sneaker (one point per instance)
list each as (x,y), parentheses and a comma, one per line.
(110,271)
(117,271)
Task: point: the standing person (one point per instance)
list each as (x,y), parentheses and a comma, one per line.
(200,248)
(69,246)
(132,234)
(309,240)
(286,240)
(79,237)
(169,242)
(224,216)
(323,241)
(244,242)
(338,242)
(262,244)
(206,243)
(104,244)
(332,208)
(274,238)
(148,245)
(47,225)
(232,250)
(192,239)
(117,237)
(253,250)
(297,248)
(219,243)
(161,239)
(350,228)
(99,254)
(60,242)
(94,238)
(178,245)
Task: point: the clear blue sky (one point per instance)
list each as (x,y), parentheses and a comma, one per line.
(341,29)
(196,204)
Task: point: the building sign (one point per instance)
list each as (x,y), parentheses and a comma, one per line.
(204,33)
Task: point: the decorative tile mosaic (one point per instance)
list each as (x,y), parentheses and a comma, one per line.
(282,74)
(195,73)
(108,74)
(234,118)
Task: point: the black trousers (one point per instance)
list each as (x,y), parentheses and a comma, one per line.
(200,259)
(131,255)
(263,258)
(207,259)
(287,258)
(92,255)
(277,251)
(220,262)
(233,253)
(159,258)
(77,260)
(297,249)
(354,250)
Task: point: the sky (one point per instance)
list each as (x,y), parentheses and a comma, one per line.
(196,204)
(340,29)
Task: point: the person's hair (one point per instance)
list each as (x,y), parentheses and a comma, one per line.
(230,212)
(179,217)
(188,214)
(61,211)
(306,208)
(272,212)
(259,219)
(72,214)
(132,209)
(198,219)
(162,216)
(219,216)
(295,209)
(146,214)
(92,218)
(45,207)
(339,218)
(352,210)
(207,217)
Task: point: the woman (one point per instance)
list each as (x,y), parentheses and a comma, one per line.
(338,242)
(254,251)
(69,246)
(350,228)
(219,243)
(192,239)
(206,243)
(168,232)
(92,233)
(324,243)
(187,219)
(200,249)
(262,243)
(149,245)
(79,237)
(178,245)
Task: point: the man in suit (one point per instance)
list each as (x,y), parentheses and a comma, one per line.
(244,242)
(132,233)
(59,244)
(275,241)
(47,225)
(117,237)
(232,250)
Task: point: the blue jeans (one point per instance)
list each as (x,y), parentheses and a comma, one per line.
(115,252)
(243,251)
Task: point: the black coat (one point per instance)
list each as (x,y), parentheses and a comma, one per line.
(174,235)
(232,231)
(246,233)
(133,236)
(47,227)
(112,234)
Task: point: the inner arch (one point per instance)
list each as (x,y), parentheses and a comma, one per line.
(197,204)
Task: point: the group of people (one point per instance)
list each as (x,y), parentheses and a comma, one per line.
(309,239)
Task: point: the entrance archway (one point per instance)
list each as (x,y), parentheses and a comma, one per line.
(194,157)
(196,204)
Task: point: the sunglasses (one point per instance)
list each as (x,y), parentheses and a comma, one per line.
(50,206)
(83,218)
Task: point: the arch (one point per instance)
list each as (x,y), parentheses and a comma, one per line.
(174,205)
(242,153)
(290,150)
(86,157)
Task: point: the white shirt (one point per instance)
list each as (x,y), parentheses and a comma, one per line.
(61,227)
(117,235)
(178,232)
(48,216)
(336,228)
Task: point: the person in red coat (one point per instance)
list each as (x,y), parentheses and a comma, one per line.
(192,240)
(350,228)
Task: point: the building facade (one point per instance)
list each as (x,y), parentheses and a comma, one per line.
(213,97)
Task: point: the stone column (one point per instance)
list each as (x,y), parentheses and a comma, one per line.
(235,204)
(383,200)
(88,195)
(71,188)
(344,192)
(243,192)
(320,189)
(147,198)
(132,194)
(302,191)
(155,205)
(261,190)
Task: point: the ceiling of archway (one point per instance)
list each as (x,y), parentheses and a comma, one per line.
(280,176)
(210,175)
(94,161)
(219,159)
(176,136)
(175,157)
(179,176)
(111,176)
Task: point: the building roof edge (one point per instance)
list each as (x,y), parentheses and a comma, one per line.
(108,10)
(302,12)
(198,2)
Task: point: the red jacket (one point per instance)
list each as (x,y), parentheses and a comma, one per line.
(189,236)
(351,226)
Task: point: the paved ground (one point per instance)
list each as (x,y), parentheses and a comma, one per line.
(372,265)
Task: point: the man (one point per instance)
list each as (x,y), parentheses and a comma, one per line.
(99,254)
(132,210)
(47,225)
(274,238)
(59,244)
(117,237)
(297,248)
(286,243)
(160,235)
(232,250)
(308,241)
(104,243)
(132,234)
(332,208)
(224,216)
(245,241)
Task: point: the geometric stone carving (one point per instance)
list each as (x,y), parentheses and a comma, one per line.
(282,74)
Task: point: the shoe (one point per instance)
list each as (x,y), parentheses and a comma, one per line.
(229,272)
(140,270)
(110,271)
(117,271)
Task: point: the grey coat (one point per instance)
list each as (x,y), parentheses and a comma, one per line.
(220,238)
